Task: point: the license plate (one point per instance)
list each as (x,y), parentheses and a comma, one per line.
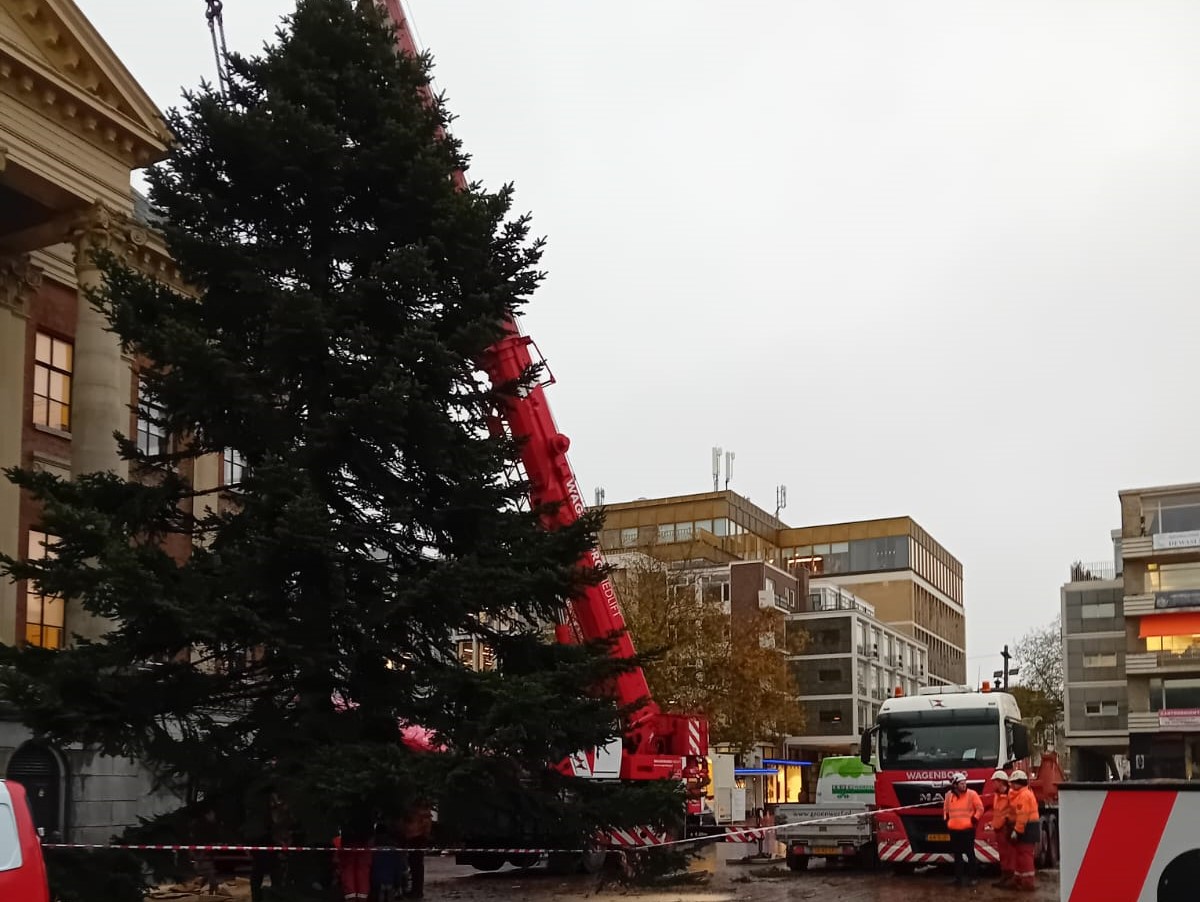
(938,837)
(826,850)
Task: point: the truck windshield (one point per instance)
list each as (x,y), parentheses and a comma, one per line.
(938,745)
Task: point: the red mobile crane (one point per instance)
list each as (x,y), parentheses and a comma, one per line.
(656,745)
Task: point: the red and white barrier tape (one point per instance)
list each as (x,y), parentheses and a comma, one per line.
(192,847)
(744,831)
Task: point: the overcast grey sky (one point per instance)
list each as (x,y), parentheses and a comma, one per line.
(927,258)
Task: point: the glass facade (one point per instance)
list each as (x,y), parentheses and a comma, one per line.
(855,556)
(1171,513)
(1171,577)
(1173,694)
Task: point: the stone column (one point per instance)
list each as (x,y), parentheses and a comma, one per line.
(99,406)
(19,281)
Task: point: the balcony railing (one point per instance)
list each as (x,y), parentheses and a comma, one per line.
(768,599)
(1151,661)
(1081,572)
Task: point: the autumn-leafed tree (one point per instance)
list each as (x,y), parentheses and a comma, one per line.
(759,704)
(732,669)
(676,618)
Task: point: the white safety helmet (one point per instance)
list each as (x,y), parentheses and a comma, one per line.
(1019,776)
(1000,776)
(957,777)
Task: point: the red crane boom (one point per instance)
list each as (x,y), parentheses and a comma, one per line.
(657,745)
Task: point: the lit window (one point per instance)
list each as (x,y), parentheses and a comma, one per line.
(53,359)
(466,653)
(151,435)
(44,614)
(233,467)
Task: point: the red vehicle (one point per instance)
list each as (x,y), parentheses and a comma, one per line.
(922,740)
(22,869)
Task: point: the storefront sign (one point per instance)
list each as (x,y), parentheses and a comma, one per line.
(1163,541)
(1179,717)
(1181,598)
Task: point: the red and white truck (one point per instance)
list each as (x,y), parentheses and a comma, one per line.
(22,869)
(920,741)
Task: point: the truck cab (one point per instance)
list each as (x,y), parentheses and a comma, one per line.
(922,740)
(22,870)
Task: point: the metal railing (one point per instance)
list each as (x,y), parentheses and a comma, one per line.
(1081,572)
(1188,658)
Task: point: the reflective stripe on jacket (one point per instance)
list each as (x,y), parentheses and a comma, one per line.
(961,811)
(1001,811)
(1024,808)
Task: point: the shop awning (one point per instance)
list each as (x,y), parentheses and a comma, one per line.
(1182,624)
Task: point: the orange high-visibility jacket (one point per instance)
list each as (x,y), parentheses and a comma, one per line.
(961,811)
(1024,808)
(1001,811)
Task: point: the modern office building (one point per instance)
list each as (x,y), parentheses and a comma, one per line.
(1095,694)
(73,125)
(1160,552)
(914,583)
(851,661)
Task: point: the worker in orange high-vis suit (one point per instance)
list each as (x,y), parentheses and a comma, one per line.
(962,810)
(1026,830)
(353,860)
(1002,827)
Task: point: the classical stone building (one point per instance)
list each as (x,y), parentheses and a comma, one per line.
(73,125)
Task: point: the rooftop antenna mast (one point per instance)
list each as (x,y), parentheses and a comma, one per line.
(216,28)
(729,456)
(716,464)
(780,499)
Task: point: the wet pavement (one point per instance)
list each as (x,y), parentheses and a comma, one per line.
(725,880)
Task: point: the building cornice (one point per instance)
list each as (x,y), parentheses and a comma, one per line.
(54,97)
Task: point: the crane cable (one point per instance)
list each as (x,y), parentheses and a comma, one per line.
(216,28)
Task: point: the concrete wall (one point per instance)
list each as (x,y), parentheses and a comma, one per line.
(103,795)
(814,725)
(824,676)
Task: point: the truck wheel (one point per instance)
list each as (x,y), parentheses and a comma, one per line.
(797,862)
(593,862)
(1047,857)
(562,863)
(485,862)
(867,857)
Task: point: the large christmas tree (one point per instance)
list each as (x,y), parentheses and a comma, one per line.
(343,288)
